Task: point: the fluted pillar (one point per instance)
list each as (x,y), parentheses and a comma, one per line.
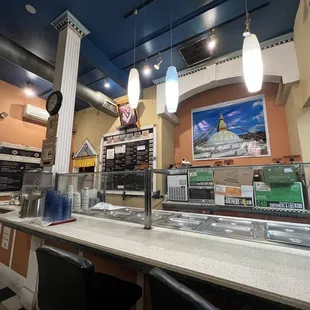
(71,31)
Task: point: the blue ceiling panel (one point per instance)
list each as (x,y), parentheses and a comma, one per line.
(108,49)
(113,92)
(217,16)
(101,61)
(19,77)
(80,104)
(91,76)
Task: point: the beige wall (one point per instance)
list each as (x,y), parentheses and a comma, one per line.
(92,124)
(13,129)
(298,118)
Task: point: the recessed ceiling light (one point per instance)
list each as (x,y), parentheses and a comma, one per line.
(30,9)
(29,91)
(146,68)
(107,83)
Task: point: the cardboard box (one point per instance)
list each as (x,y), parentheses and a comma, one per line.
(233,176)
(234,187)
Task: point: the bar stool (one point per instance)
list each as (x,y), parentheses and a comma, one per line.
(69,282)
(167,293)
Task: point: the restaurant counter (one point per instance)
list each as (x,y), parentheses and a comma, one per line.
(273,272)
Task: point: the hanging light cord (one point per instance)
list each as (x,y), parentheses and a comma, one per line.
(135,39)
(248,18)
(171,36)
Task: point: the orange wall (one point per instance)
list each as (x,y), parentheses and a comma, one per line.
(277,124)
(13,129)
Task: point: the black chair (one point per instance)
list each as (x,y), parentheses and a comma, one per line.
(69,282)
(167,293)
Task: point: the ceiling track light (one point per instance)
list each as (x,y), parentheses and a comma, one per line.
(159,61)
(213,41)
(252,60)
(146,68)
(134,79)
(28,90)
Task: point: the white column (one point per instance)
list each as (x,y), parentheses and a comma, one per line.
(65,79)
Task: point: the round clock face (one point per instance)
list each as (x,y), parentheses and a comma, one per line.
(53,103)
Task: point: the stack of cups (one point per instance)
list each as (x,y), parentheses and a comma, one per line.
(66,204)
(76,201)
(70,192)
(85,198)
(93,200)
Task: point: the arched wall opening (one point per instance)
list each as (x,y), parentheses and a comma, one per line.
(278,132)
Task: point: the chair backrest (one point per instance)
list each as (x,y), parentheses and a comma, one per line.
(168,293)
(64,280)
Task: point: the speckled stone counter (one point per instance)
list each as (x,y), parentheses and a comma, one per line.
(270,271)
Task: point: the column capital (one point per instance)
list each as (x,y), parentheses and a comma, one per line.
(67,18)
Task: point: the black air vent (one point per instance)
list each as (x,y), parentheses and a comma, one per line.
(195,53)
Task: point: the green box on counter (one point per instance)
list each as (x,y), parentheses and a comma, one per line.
(200,177)
(284,196)
(283,175)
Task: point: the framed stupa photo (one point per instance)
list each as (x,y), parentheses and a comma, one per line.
(231,129)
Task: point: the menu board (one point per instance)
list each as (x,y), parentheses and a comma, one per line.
(128,151)
(14,160)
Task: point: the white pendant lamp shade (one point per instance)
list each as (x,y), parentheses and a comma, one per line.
(133,88)
(172,89)
(252,63)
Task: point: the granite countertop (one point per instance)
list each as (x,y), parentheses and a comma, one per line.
(270,271)
(5,205)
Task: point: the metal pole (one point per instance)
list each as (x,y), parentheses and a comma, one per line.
(103,183)
(147,199)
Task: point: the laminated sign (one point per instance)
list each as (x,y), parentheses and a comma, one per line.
(285,196)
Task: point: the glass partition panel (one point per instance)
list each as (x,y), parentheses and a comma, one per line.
(37,182)
(113,195)
(260,203)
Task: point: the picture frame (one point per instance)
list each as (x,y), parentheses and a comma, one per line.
(233,129)
(128,116)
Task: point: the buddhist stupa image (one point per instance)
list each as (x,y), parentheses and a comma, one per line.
(223,135)
(223,143)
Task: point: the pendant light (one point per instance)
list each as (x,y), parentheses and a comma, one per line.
(252,58)
(134,80)
(172,84)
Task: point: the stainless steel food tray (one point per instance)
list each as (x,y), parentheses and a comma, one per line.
(229,227)
(290,234)
(140,217)
(181,222)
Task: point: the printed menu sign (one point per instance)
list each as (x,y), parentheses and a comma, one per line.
(14,160)
(127,152)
